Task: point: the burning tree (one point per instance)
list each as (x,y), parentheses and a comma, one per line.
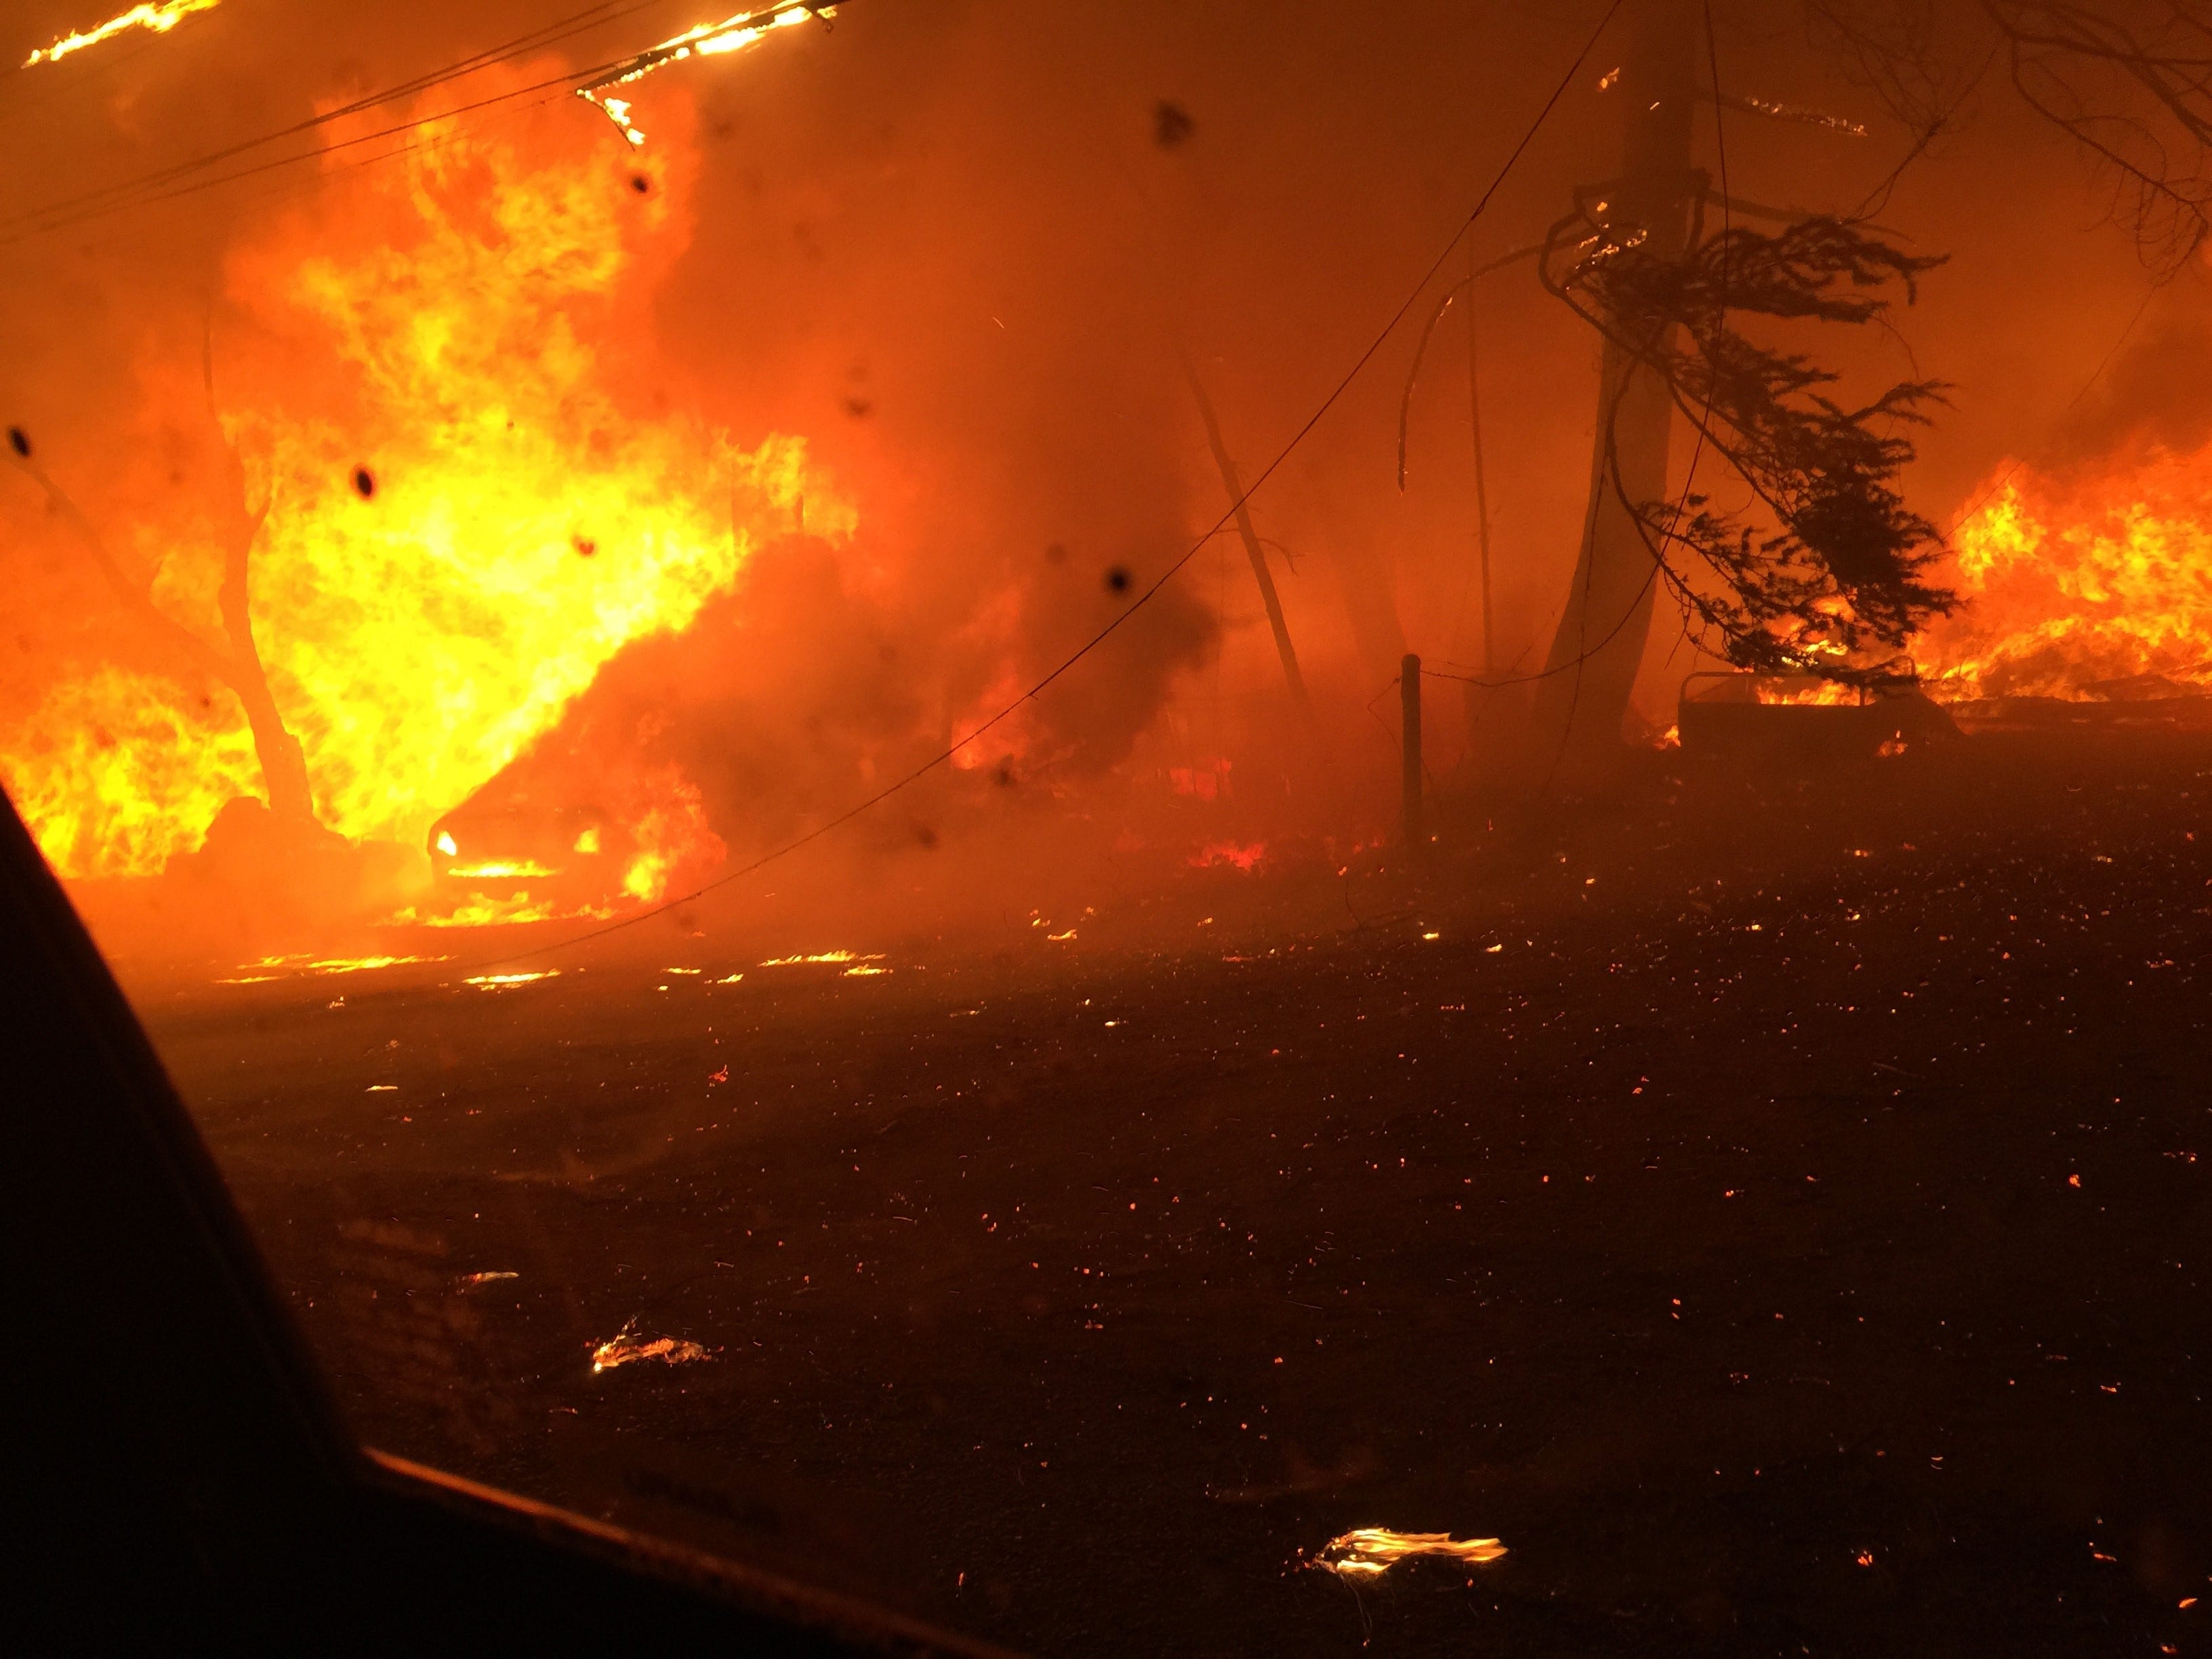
(236,663)
(1840,577)
(1831,575)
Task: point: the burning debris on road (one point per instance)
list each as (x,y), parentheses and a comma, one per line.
(627,1347)
(1370,1552)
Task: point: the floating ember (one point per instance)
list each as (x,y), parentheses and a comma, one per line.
(1369,1552)
(626,1345)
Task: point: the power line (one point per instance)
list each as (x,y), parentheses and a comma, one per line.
(146,188)
(1098,639)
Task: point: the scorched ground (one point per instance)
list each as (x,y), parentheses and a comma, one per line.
(1779,1214)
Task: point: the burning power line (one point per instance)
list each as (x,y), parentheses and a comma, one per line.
(707,40)
(161,19)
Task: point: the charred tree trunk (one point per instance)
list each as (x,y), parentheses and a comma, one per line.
(1591,668)
(283,766)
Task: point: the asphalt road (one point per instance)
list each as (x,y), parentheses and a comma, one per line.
(1779,1214)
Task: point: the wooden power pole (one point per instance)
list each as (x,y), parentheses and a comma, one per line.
(1591,669)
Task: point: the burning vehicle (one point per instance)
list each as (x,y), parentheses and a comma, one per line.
(517,846)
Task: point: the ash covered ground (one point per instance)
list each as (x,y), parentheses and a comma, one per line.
(1779,1211)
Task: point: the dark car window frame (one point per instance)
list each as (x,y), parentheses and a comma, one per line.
(180,1475)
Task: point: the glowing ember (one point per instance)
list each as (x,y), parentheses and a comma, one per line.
(160,19)
(707,40)
(2099,587)
(626,1346)
(501,981)
(1368,1552)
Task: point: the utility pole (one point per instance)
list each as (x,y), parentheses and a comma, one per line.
(1591,668)
(1409,709)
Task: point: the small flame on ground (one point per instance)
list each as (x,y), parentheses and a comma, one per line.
(626,1345)
(485,913)
(158,19)
(861,970)
(363,965)
(1368,1552)
(500,981)
(824,956)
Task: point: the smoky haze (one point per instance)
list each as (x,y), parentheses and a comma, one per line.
(956,248)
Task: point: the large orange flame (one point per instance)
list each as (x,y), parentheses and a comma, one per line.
(443,386)
(2090,588)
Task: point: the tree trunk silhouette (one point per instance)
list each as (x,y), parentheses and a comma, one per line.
(1230,482)
(1591,667)
(283,766)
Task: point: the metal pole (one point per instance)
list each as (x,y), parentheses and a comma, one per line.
(1409,702)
